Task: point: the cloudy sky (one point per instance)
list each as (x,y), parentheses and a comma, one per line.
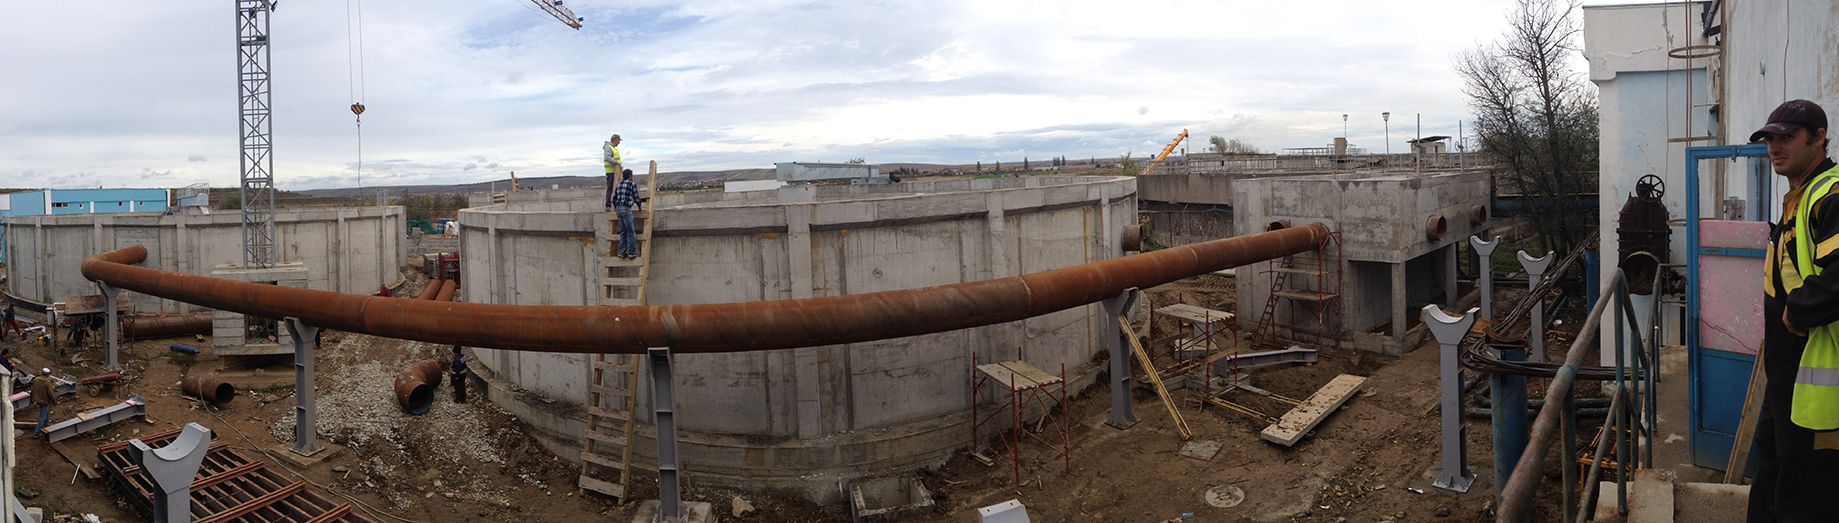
(142,94)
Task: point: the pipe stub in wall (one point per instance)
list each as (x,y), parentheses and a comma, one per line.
(1478,214)
(1436,227)
(1277,225)
(1132,239)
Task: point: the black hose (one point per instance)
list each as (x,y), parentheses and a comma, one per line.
(1481,399)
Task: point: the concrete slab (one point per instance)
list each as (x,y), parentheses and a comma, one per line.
(1650,497)
(1201,449)
(285,452)
(694,512)
(1711,501)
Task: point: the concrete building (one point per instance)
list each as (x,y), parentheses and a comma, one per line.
(802,418)
(79,201)
(352,249)
(1400,234)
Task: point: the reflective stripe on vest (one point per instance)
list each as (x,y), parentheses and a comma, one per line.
(609,157)
(1816,384)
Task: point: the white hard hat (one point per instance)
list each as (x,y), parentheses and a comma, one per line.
(46,370)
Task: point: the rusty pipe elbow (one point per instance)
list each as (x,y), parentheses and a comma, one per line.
(433,288)
(207,389)
(447,289)
(415,386)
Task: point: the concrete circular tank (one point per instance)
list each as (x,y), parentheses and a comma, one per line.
(809,417)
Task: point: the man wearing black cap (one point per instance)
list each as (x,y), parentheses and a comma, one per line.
(1795,437)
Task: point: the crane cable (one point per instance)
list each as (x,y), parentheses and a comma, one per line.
(354,63)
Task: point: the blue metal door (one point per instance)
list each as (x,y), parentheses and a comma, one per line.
(1719,376)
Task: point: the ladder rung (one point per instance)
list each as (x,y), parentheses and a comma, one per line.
(610,489)
(622,282)
(615,261)
(610,391)
(603,461)
(633,302)
(1298,270)
(607,438)
(607,413)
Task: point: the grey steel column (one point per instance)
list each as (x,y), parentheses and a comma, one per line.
(306,413)
(1484,272)
(1535,273)
(113,331)
(670,494)
(172,468)
(1122,416)
(1449,331)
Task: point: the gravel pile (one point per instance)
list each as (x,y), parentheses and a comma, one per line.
(357,404)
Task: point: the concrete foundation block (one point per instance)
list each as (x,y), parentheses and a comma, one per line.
(693,512)
(888,499)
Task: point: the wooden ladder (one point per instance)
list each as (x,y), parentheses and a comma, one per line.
(615,376)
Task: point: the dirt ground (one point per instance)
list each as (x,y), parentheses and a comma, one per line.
(1361,465)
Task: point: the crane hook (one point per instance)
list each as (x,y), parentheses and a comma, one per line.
(358,109)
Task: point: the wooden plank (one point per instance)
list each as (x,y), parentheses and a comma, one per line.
(1005,376)
(606,413)
(610,391)
(612,365)
(95,303)
(603,461)
(1746,429)
(610,489)
(622,282)
(1031,372)
(1149,368)
(1192,314)
(64,450)
(1304,418)
(607,438)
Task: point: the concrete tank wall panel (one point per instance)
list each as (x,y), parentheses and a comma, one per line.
(780,418)
(352,250)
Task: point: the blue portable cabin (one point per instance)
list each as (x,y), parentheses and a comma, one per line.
(79,201)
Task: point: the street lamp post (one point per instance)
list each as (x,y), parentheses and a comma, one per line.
(1343,126)
(1387,117)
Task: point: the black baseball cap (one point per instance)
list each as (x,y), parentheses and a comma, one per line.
(1791,116)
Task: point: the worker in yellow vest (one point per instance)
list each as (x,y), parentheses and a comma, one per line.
(609,153)
(1798,468)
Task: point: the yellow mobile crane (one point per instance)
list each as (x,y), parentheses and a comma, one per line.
(1166,151)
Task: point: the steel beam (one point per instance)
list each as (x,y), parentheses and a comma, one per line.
(663,404)
(306,412)
(1450,331)
(1122,416)
(111,332)
(172,468)
(135,406)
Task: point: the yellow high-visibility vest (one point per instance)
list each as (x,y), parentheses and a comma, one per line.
(610,157)
(1816,384)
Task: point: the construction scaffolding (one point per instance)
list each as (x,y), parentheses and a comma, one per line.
(1026,386)
(1308,285)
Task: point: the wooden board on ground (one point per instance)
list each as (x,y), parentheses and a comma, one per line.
(1302,419)
(1192,314)
(64,450)
(94,303)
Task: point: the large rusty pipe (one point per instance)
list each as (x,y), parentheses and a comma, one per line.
(428,292)
(214,391)
(172,325)
(446,293)
(718,327)
(415,385)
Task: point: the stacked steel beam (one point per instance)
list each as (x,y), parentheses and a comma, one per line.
(228,488)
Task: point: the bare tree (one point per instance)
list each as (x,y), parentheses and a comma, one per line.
(1535,117)
(1220,144)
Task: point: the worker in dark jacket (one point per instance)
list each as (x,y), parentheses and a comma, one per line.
(459,375)
(44,395)
(1798,448)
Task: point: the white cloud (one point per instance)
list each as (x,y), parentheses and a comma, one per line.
(476,88)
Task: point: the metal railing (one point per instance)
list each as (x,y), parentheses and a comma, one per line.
(1632,412)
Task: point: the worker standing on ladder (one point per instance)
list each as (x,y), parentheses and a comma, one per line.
(1798,448)
(610,161)
(624,197)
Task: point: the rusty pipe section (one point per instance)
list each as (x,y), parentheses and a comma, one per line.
(415,385)
(207,389)
(715,327)
(171,325)
(446,292)
(428,292)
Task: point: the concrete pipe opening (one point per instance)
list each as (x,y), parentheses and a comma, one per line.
(214,391)
(1277,225)
(1478,215)
(1436,228)
(415,386)
(1132,239)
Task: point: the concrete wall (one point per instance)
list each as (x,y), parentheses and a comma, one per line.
(351,249)
(1382,218)
(805,417)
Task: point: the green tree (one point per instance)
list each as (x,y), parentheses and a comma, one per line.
(1128,164)
(1222,145)
(231,200)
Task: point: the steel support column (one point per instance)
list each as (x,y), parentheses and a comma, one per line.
(306,412)
(663,403)
(1450,331)
(1484,272)
(111,332)
(172,468)
(1122,416)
